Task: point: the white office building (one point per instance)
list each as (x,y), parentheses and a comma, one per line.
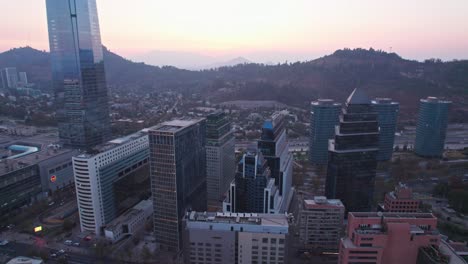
(96,174)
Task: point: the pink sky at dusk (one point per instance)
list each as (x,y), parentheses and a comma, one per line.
(261,30)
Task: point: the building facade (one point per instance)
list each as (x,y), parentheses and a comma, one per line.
(324,116)
(274,146)
(23,78)
(253,189)
(353,155)
(78,75)
(387,238)
(220,158)
(231,238)
(321,222)
(10,78)
(431,128)
(387,111)
(178,176)
(400,201)
(98,175)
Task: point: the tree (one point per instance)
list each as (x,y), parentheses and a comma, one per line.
(67,225)
(146,253)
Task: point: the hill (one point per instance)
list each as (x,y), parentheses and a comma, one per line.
(334,76)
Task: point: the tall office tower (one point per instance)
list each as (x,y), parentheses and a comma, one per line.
(220,158)
(321,222)
(23,78)
(274,146)
(387,238)
(3,79)
(253,189)
(9,78)
(387,112)
(432,127)
(78,75)
(109,178)
(230,238)
(178,176)
(324,117)
(353,155)
(400,201)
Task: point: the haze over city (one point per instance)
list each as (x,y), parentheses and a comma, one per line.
(204,32)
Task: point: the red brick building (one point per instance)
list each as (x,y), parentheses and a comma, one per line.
(400,201)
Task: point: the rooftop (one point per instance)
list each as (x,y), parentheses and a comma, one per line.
(176,125)
(392,215)
(432,99)
(239,218)
(325,102)
(386,101)
(21,152)
(358,96)
(130,214)
(322,201)
(119,141)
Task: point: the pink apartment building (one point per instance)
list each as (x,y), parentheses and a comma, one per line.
(387,238)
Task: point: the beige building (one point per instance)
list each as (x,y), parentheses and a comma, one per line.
(321,222)
(231,238)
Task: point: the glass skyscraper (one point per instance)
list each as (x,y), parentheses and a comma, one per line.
(178,176)
(387,112)
(352,161)
(324,117)
(220,157)
(78,75)
(432,127)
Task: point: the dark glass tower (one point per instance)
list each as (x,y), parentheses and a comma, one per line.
(274,146)
(252,177)
(324,116)
(178,176)
(432,127)
(353,155)
(78,73)
(387,112)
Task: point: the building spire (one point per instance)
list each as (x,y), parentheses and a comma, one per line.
(358,96)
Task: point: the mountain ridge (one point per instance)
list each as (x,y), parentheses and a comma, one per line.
(379,73)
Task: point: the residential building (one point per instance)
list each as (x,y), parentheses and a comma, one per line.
(220,158)
(274,146)
(9,78)
(431,128)
(78,75)
(253,189)
(178,176)
(321,223)
(324,116)
(387,238)
(131,222)
(353,155)
(106,178)
(387,112)
(230,238)
(23,78)
(400,201)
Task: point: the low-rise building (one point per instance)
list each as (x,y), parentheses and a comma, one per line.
(400,201)
(26,169)
(230,238)
(321,223)
(130,222)
(387,238)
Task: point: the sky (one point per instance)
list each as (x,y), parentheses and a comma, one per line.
(260,30)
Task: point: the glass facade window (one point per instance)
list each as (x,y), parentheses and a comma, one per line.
(78,74)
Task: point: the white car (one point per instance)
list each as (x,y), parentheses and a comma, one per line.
(4,242)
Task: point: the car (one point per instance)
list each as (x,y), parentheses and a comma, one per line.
(4,242)
(62,251)
(53,255)
(76,244)
(51,203)
(68,242)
